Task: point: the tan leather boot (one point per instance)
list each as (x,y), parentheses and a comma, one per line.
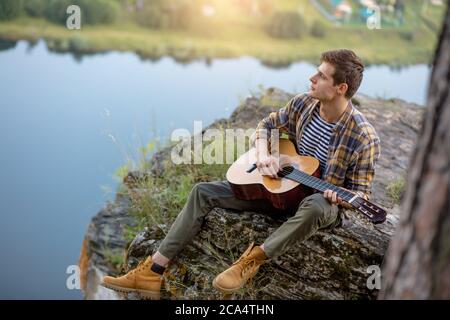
(141,280)
(235,277)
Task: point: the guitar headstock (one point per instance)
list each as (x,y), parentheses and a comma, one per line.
(373,212)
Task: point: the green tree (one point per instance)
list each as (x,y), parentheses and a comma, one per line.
(152,16)
(98,11)
(318,29)
(175,14)
(417,264)
(92,11)
(56,11)
(286,24)
(35,8)
(10,9)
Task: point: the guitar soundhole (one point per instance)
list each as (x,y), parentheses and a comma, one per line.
(285,171)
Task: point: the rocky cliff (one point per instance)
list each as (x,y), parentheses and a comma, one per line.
(330,265)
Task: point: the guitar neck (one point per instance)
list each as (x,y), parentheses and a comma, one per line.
(370,210)
(318,184)
(367,208)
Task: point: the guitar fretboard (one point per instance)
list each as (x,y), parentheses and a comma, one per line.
(370,210)
(313,182)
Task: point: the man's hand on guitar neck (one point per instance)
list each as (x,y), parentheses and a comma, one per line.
(333,198)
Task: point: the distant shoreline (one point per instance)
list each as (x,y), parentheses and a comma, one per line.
(184,47)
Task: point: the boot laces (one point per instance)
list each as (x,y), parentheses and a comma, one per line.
(139,267)
(249,264)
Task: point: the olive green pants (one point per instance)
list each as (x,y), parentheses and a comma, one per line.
(313,213)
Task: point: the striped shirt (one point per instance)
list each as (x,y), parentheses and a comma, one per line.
(316,139)
(354,147)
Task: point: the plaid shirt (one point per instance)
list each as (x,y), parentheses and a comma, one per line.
(354,145)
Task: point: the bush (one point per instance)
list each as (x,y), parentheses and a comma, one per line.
(98,11)
(152,16)
(176,14)
(35,8)
(92,11)
(10,9)
(318,29)
(286,24)
(411,35)
(407,35)
(396,188)
(56,11)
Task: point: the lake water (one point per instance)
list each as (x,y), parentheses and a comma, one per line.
(67,125)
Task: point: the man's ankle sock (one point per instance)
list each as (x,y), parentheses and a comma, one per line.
(157,268)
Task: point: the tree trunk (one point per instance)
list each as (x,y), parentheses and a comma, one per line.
(418,260)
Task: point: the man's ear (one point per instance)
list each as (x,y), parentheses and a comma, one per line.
(342,89)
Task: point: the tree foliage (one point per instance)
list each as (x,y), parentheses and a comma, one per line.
(286,24)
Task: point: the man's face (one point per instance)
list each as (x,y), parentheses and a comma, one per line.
(322,86)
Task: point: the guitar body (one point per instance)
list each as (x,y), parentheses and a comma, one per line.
(282,193)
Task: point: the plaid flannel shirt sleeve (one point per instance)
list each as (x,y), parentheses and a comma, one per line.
(285,120)
(360,173)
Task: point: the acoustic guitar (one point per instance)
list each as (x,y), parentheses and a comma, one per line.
(298,178)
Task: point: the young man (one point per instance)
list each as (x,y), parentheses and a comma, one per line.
(323,123)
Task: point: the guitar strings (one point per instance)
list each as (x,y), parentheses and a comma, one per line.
(317,182)
(298,174)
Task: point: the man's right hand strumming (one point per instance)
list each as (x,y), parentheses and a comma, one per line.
(267,164)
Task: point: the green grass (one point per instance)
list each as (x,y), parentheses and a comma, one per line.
(114,258)
(395,189)
(233,34)
(157,200)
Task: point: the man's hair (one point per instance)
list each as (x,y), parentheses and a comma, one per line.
(348,69)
